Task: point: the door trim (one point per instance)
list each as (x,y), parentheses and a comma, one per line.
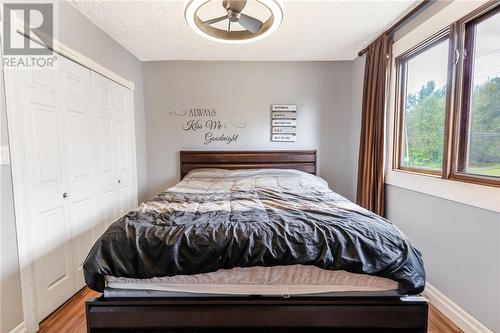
(18,173)
(66,51)
(25,259)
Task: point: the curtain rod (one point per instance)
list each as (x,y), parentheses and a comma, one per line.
(405,19)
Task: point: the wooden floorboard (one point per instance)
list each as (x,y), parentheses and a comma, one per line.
(438,323)
(70,317)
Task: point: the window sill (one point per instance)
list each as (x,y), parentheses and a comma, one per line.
(480,196)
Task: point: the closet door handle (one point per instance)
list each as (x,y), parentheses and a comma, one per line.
(65,195)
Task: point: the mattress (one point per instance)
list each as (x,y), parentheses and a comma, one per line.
(276,280)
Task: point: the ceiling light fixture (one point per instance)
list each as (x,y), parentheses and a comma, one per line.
(253,28)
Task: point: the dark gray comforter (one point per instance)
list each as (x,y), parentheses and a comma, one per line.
(218,219)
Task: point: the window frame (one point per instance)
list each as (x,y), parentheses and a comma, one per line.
(457,95)
(464,70)
(401,71)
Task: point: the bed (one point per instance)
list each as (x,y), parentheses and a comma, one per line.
(254,241)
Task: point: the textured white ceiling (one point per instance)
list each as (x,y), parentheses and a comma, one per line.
(311,30)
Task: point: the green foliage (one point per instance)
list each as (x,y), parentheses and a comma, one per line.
(424,127)
(485,124)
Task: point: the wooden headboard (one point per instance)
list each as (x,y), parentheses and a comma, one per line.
(303,160)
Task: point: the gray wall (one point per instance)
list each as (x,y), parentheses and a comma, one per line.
(81,35)
(245,91)
(460,245)
(358,73)
(11,309)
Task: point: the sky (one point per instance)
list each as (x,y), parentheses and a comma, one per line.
(427,66)
(432,64)
(488,50)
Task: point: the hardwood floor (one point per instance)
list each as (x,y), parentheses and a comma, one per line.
(438,323)
(70,317)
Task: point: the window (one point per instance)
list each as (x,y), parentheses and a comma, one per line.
(452,130)
(479,129)
(424,77)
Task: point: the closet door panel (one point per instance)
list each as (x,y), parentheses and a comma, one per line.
(125,157)
(107,185)
(106,169)
(121,106)
(53,221)
(80,151)
(49,221)
(82,221)
(116,148)
(106,144)
(122,147)
(47,148)
(108,208)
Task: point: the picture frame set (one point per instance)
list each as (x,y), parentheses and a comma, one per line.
(283,122)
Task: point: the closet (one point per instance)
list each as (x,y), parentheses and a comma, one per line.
(73,159)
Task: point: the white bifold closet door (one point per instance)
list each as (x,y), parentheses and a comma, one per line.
(114,174)
(45,143)
(75,136)
(80,146)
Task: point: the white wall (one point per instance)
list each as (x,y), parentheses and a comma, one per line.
(245,91)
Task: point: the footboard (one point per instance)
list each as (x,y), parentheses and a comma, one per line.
(251,314)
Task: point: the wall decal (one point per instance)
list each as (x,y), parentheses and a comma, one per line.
(206,120)
(182,113)
(211,138)
(284,122)
(238,124)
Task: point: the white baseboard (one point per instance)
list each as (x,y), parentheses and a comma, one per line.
(21,328)
(453,312)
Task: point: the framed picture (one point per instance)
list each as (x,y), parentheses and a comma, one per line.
(283,122)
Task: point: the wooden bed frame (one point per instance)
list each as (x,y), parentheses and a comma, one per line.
(307,314)
(303,160)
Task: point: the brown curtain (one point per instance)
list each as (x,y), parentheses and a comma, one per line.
(370,192)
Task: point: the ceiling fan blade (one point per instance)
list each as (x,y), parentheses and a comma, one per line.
(250,23)
(234,5)
(215,20)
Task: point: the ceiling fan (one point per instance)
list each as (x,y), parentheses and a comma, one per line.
(234,14)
